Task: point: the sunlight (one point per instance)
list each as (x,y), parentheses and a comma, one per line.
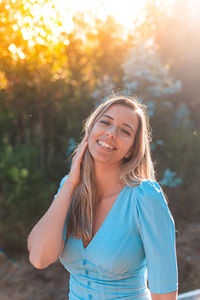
(64,11)
(16,52)
(57,16)
(124,12)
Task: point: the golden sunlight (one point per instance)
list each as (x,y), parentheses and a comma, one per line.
(48,20)
(57,17)
(124,13)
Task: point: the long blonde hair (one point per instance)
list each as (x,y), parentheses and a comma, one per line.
(137,168)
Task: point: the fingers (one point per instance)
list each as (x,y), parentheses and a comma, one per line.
(83,145)
(76,161)
(81,148)
(85,138)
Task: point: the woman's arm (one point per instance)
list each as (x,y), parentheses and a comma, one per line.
(166,296)
(157,231)
(45,242)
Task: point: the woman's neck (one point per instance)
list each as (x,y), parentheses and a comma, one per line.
(107,180)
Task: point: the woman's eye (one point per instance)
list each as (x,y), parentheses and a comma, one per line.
(104,122)
(125,131)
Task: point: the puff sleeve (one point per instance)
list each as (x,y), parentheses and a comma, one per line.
(157,231)
(65,225)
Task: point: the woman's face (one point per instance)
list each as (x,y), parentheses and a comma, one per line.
(112,136)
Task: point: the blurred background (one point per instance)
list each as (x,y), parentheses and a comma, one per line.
(58,60)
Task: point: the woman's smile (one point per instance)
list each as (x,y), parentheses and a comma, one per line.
(106,145)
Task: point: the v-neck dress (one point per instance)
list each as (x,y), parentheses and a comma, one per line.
(132,254)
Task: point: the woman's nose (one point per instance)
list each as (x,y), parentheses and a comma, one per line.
(112,132)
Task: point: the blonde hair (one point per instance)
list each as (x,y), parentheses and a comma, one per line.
(133,170)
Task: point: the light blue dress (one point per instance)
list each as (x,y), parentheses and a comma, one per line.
(136,242)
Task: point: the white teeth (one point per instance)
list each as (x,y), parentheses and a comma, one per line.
(105,145)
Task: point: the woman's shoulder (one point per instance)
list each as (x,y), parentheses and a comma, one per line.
(150,202)
(150,186)
(61,184)
(64,179)
(148,192)
(147,185)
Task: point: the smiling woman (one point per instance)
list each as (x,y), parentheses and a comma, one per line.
(109,223)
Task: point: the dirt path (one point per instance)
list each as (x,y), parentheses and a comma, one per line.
(24,282)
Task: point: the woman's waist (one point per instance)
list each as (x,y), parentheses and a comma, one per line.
(104,287)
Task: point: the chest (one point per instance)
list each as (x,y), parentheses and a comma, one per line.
(101,212)
(116,246)
(103,208)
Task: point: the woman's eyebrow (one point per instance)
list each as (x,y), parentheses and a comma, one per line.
(125,124)
(108,117)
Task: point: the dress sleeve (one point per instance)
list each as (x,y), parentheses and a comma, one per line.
(61,184)
(157,231)
(65,225)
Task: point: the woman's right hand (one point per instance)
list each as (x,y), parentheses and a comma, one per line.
(74,174)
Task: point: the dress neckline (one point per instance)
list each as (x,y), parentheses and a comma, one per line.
(105,221)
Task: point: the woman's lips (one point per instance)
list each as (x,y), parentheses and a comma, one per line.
(105,145)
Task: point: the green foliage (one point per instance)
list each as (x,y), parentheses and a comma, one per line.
(26,190)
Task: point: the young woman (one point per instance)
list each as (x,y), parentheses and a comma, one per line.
(109,223)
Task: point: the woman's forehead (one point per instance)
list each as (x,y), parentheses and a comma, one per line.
(121,114)
(120,111)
